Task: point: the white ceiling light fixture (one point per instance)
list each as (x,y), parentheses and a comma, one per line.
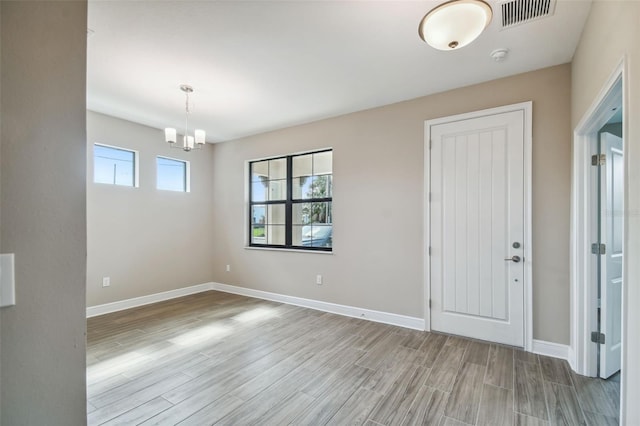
(455,24)
(188,142)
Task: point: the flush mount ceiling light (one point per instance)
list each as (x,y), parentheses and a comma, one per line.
(455,24)
(188,142)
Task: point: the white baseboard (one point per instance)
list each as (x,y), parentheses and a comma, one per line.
(107,308)
(541,347)
(571,358)
(349,311)
(554,350)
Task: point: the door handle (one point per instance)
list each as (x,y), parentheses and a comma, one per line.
(514,259)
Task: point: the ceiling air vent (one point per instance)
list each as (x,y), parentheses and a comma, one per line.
(518,12)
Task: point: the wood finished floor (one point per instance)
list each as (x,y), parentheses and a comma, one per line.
(217,358)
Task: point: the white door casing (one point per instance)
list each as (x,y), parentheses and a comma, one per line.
(612,235)
(477,179)
(583,359)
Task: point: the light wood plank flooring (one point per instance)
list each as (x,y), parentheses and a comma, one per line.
(217,358)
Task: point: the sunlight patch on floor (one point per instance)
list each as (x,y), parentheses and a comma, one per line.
(117,365)
(255,315)
(204,334)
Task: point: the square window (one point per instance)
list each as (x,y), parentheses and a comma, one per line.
(291,201)
(172,174)
(115,166)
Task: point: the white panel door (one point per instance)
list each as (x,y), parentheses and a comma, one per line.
(611,234)
(477,221)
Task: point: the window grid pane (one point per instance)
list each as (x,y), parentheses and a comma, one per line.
(113,166)
(171,174)
(313,236)
(269,180)
(322,163)
(312,176)
(303,165)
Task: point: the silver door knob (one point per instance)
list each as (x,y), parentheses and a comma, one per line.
(514,259)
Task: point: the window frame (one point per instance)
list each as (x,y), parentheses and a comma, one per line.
(288,202)
(187,173)
(136,165)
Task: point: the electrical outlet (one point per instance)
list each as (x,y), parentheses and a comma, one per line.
(228,268)
(106,281)
(319,279)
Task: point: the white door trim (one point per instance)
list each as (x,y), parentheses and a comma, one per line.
(526,107)
(583,356)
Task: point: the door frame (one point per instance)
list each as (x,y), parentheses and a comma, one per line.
(584,275)
(527,108)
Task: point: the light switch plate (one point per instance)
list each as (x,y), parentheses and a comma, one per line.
(7,280)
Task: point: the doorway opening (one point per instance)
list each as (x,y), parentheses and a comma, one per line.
(609,163)
(597,258)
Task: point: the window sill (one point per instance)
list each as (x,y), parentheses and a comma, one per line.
(287,250)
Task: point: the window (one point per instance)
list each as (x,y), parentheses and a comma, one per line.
(172,175)
(115,166)
(291,201)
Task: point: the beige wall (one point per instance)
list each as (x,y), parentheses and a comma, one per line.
(43,211)
(146,240)
(611,33)
(378,209)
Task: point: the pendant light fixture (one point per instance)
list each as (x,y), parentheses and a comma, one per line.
(188,142)
(455,24)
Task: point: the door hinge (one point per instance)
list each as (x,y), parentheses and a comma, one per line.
(597,337)
(429,303)
(429,250)
(429,196)
(598,160)
(598,248)
(430,143)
